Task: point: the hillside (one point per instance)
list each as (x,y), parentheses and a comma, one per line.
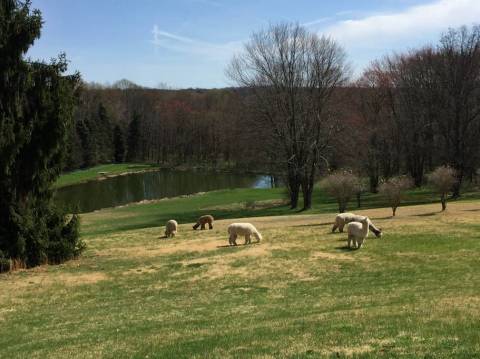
(298,293)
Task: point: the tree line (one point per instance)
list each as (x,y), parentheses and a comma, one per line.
(185,127)
(297,112)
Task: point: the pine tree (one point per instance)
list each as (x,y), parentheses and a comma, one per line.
(103,135)
(36,108)
(133,140)
(119,144)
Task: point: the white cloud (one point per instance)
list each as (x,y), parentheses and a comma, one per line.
(182,44)
(414,23)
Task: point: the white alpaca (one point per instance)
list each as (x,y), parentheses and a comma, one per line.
(357,232)
(344,218)
(242,229)
(171,228)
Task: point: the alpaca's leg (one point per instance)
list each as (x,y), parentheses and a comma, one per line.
(202,227)
(340,227)
(210,225)
(247,239)
(349,242)
(334,227)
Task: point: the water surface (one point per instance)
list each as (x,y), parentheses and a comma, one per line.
(135,187)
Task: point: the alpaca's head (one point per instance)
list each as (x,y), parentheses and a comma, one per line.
(378,233)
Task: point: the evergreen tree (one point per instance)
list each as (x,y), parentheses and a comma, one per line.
(88,143)
(133,140)
(119,144)
(103,133)
(36,108)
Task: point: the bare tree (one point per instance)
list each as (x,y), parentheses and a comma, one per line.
(443,180)
(394,190)
(375,104)
(341,185)
(292,74)
(457,72)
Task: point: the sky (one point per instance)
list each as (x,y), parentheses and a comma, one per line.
(189,43)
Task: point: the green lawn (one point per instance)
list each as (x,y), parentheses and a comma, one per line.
(79,176)
(298,294)
(227,204)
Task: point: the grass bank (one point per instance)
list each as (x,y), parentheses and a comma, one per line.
(226,204)
(101,171)
(298,294)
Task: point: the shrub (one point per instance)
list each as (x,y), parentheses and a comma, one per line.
(360,188)
(394,189)
(341,185)
(442,179)
(250,204)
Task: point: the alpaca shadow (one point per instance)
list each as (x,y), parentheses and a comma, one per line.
(163,237)
(238,245)
(345,248)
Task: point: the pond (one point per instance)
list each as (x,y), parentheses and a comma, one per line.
(136,187)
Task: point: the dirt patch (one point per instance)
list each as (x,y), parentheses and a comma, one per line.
(349,351)
(467,304)
(331,256)
(41,278)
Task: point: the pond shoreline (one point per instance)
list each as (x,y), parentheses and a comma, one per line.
(103,175)
(146,184)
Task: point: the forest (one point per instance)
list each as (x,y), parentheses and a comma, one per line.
(406,114)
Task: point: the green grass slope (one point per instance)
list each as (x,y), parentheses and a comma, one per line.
(298,294)
(99,172)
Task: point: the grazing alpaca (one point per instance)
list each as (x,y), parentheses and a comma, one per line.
(242,229)
(344,218)
(357,232)
(203,220)
(171,228)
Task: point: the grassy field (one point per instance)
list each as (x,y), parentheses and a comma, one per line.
(101,171)
(300,293)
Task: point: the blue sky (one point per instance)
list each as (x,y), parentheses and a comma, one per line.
(188,43)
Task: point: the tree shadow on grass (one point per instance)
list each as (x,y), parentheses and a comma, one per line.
(472,210)
(381,218)
(314,225)
(426,214)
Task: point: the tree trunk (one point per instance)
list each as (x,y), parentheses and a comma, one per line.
(444,202)
(394,210)
(342,206)
(307,190)
(294,193)
(373,183)
(359,200)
